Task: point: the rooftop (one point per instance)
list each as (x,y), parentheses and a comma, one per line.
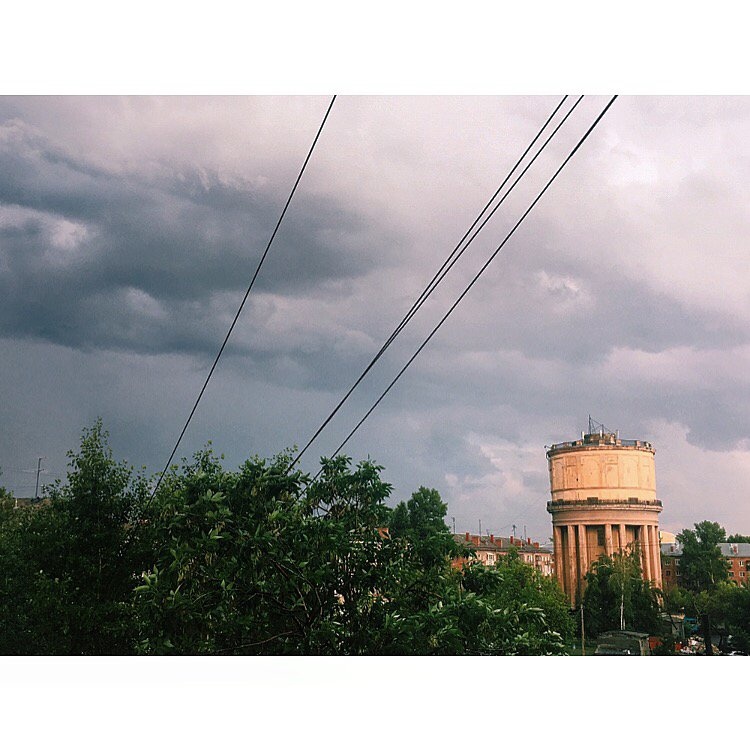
(492,543)
(728,549)
(735,549)
(600,439)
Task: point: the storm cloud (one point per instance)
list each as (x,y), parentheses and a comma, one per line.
(129,229)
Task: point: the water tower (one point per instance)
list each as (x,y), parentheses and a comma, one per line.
(603,501)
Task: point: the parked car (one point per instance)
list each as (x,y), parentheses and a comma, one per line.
(622,643)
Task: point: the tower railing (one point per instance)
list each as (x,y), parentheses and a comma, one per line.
(609,440)
(595,501)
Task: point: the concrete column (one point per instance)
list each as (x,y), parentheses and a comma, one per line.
(653,545)
(558,547)
(646,546)
(583,552)
(608,547)
(623,538)
(656,556)
(570,530)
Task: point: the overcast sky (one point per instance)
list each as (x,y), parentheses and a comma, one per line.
(129,229)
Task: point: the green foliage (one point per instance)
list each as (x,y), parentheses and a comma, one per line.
(732,607)
(420,521)
(507,609)
(69,564)
(262,560)
(617,595)
(726,605)
(702,565)
(513,581)
(266,562)
(739,538)
(5,496)
(247,563)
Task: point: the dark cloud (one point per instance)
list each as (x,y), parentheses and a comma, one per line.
(97,261)
(129,230)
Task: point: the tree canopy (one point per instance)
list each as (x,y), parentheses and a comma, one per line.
(618,598)
(4,494)
(702,564)
(70,564)
(260,560)
(705,573)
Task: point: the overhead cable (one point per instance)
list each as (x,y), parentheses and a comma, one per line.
(449,262)
(244,299)
(476,277)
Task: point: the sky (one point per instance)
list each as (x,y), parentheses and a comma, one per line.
(130,228)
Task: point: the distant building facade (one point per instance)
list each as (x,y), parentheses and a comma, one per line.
(737,555)
(489,549)
(603,500)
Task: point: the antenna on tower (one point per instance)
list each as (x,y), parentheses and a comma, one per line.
(595,427)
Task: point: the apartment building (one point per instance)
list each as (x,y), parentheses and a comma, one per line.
(488,549)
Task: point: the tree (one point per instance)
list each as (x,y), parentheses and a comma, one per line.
(703,569)
(267,561)
(617,597)
(421,521)
(15,578)
(4,494)
(739,538)
(517,581)
(74,560)
(726,606)
(702,564)
(506,609)
(261,560)
(733,602)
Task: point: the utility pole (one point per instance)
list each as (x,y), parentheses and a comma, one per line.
(38,472)
(514,531)
(454,524)
(480,529)
(583,633)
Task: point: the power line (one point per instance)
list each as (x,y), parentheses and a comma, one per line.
(244,299)
(448,264)
(476,277)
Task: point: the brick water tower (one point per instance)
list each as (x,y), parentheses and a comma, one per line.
(603,501)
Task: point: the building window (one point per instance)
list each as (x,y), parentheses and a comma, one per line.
(742,574)
(667,573)
(600,536)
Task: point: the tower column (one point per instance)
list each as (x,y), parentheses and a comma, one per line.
(623,539)
(655,556)
(654,546)
(558,547)
(646,551)
(572,572)
(583,552)
(608,539)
